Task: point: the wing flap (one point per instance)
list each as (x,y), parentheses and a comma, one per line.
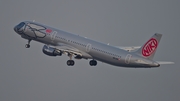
(66,49)
(69,49)
(129,48)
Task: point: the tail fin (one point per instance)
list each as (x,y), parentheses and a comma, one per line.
(148,50)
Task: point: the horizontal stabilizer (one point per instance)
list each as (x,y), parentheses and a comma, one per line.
(164,62)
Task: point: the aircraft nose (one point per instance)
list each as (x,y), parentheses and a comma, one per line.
(18,28)
(15,28)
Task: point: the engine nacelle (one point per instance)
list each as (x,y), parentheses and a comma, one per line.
(50,51)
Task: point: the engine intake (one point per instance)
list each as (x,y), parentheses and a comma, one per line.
(50,51)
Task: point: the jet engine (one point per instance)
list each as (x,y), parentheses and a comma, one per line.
(50,51)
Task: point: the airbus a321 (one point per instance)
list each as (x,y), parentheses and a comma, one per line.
(58,42)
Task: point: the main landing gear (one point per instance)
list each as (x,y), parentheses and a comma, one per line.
(93,63)
(28,45)
(70,62)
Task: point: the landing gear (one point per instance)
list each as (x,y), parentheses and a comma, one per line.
(57,52)
(28,45)
(93,63)
(70,62)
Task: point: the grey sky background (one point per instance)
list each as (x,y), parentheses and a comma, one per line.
(30,75)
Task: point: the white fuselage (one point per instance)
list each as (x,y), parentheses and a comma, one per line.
(87,47)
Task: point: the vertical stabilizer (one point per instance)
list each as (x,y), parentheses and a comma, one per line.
(148,50)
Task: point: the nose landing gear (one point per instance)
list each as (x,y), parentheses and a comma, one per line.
(28,45)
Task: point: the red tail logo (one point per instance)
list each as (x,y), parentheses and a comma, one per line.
(149,47)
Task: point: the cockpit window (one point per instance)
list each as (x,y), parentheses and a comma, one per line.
(20,25)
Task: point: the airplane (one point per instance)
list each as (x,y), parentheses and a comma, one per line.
(58,42)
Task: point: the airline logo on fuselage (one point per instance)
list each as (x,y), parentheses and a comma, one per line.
(48,30)
(149,47)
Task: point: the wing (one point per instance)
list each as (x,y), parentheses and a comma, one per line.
(72,51)
(129,48)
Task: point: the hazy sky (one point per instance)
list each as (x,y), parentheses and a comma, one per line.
(30,75)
